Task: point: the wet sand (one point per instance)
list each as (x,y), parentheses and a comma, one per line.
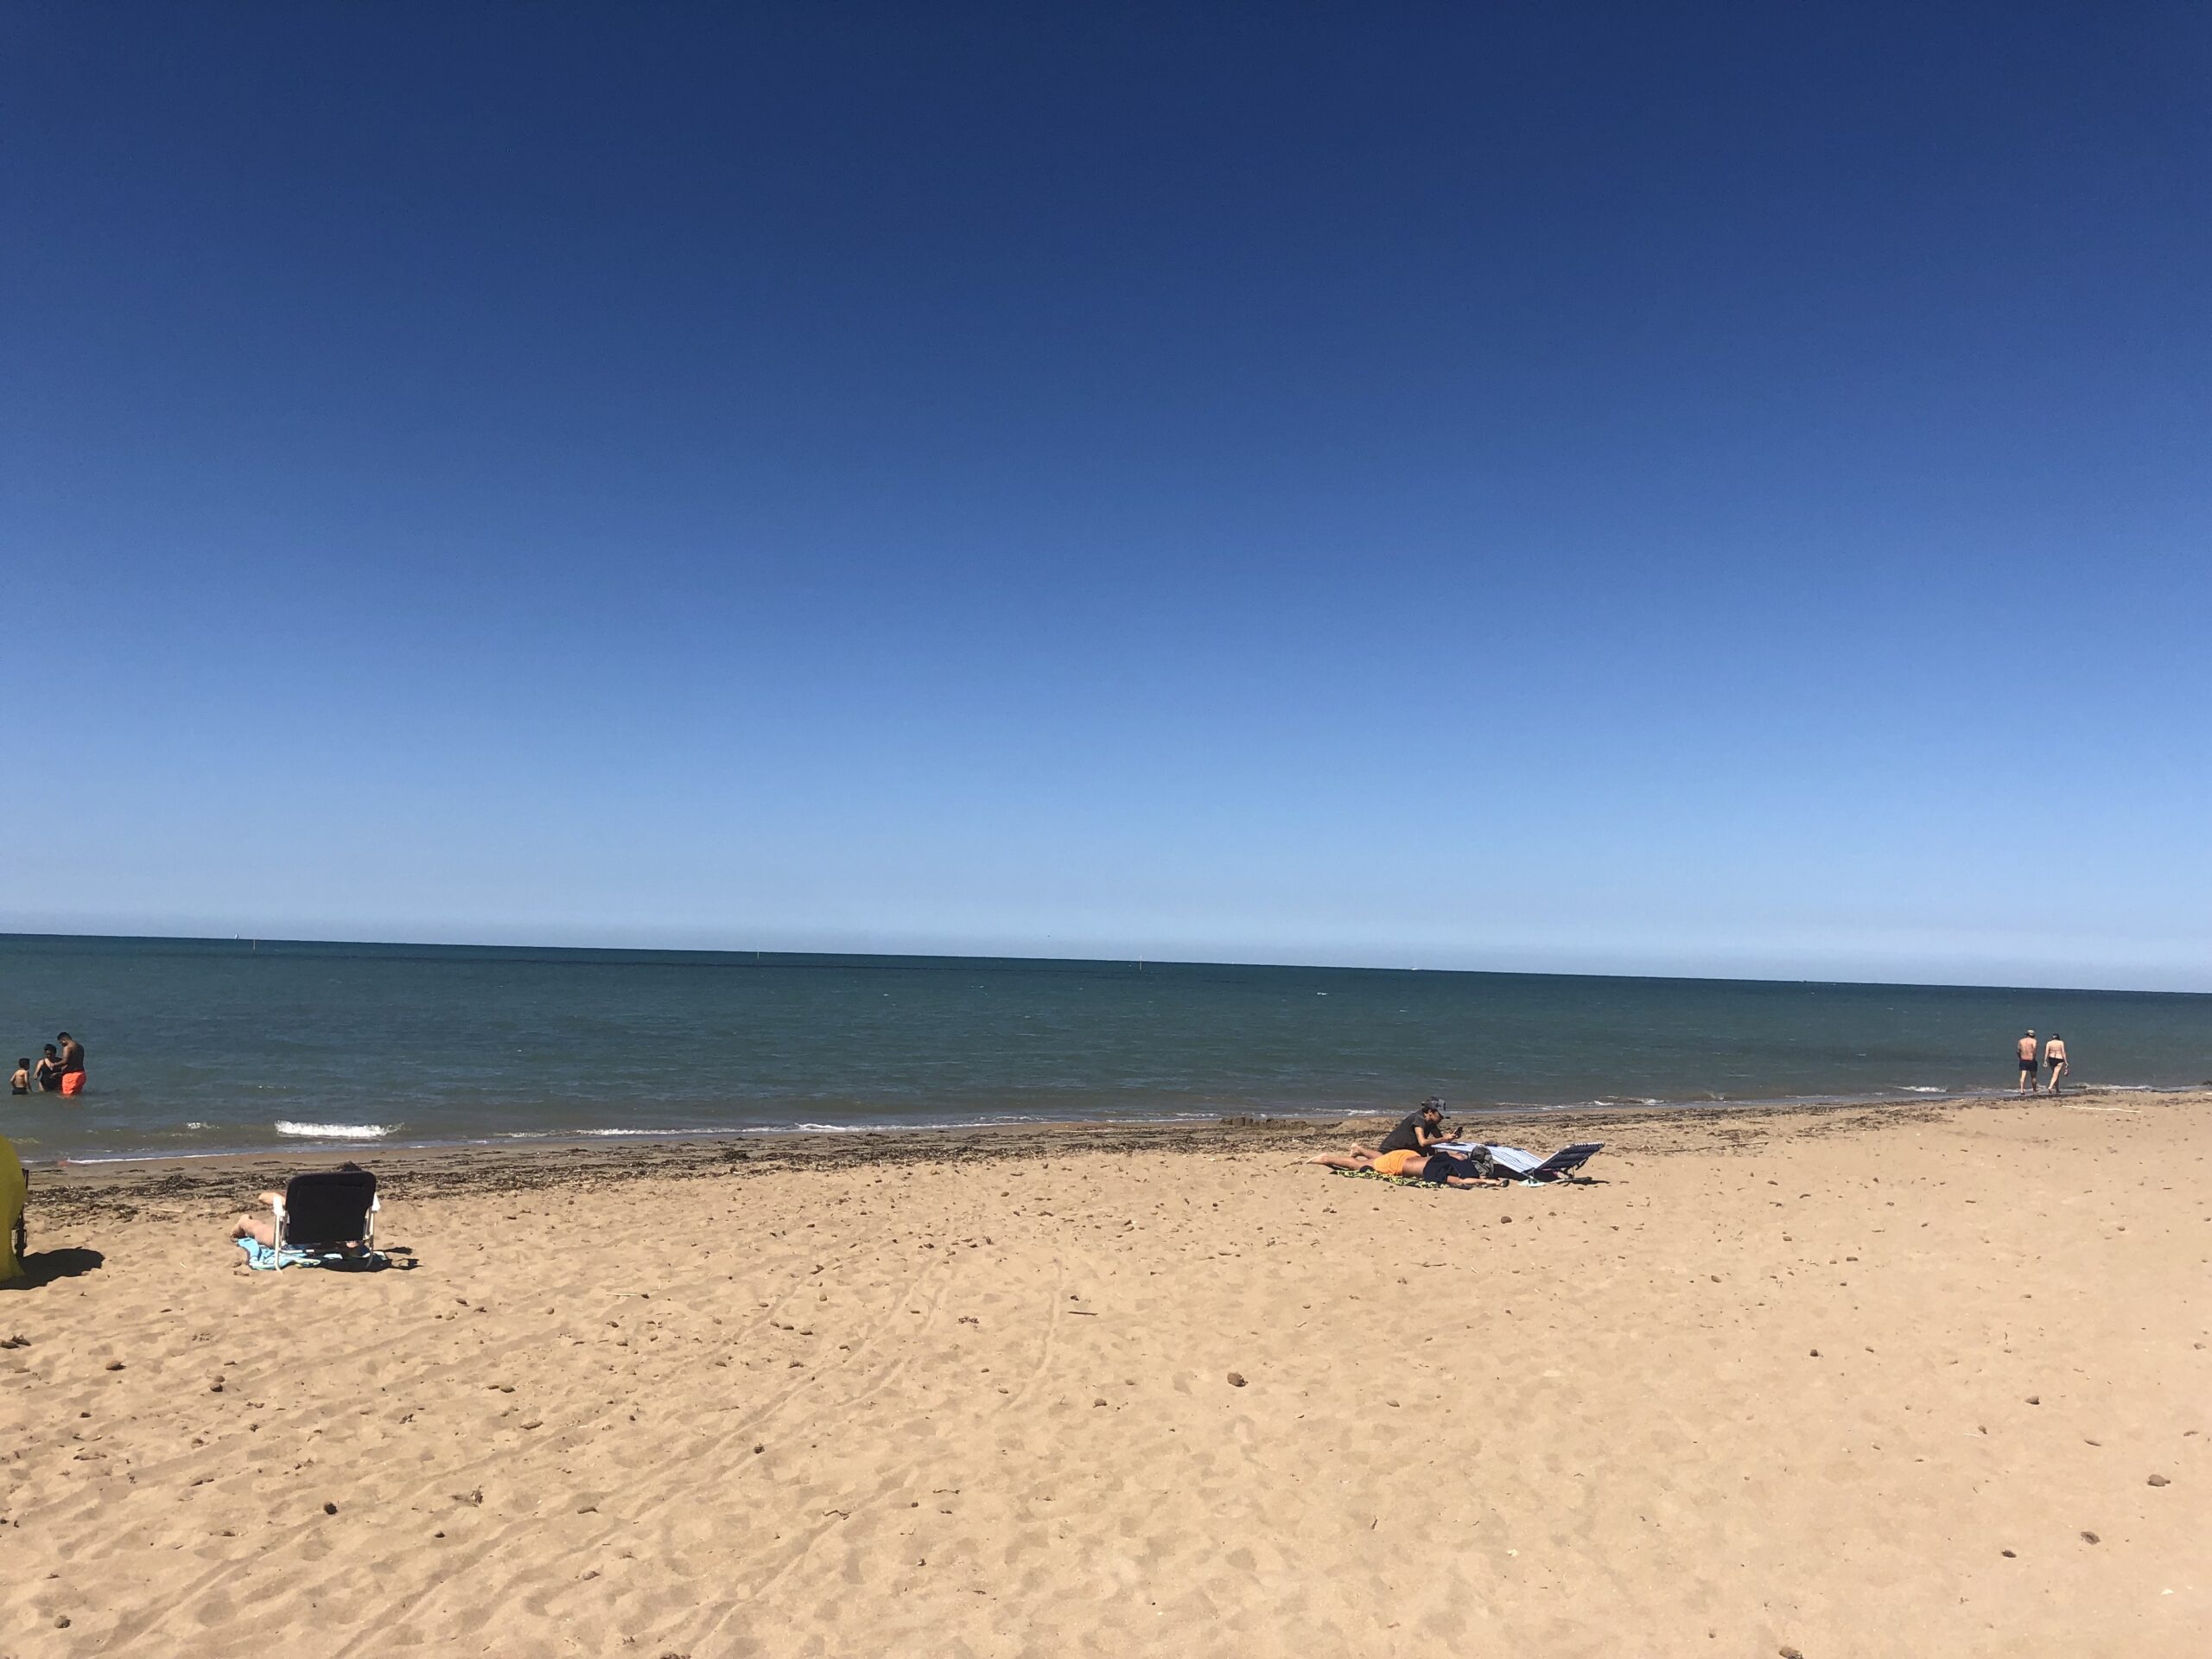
(1918,1380)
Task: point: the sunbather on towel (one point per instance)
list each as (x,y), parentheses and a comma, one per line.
(1438,1167)
(262,1228)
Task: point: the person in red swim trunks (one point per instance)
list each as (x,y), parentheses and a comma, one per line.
(73,1064)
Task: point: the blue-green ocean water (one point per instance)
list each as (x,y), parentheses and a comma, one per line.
(208,1045)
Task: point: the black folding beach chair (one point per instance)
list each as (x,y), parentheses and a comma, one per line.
(329,1211)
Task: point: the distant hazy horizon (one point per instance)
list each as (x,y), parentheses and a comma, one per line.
(1017,952)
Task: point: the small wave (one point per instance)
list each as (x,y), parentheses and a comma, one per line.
(195,1125)
(1924,1088)
(337,1131)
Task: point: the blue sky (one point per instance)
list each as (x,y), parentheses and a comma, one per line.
(1672,489)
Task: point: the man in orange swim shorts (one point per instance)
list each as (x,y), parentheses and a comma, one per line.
(73,1064)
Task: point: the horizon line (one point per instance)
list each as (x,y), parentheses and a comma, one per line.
(759,953)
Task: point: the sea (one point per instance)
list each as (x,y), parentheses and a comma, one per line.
(205,1047)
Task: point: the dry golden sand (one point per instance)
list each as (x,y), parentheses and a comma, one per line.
(1859,1384)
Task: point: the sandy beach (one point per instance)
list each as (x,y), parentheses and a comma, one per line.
(1916,1380)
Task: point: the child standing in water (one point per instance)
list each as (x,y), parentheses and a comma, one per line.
(20,1082)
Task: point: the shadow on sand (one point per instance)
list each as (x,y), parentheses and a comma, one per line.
(43,1267)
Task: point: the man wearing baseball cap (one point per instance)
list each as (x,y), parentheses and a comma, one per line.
(1418,1130)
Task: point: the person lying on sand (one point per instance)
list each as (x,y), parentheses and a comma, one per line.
(1438,1167)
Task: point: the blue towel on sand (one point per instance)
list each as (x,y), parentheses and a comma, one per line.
(259,1255)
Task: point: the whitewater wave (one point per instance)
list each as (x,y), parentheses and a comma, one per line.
(1924,1088)
(337,1131)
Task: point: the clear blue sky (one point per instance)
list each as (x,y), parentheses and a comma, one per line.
(1665,489)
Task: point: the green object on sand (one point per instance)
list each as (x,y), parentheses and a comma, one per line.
(15,1193)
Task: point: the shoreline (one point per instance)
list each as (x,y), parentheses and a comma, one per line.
(76,1189)
(1601,1109)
